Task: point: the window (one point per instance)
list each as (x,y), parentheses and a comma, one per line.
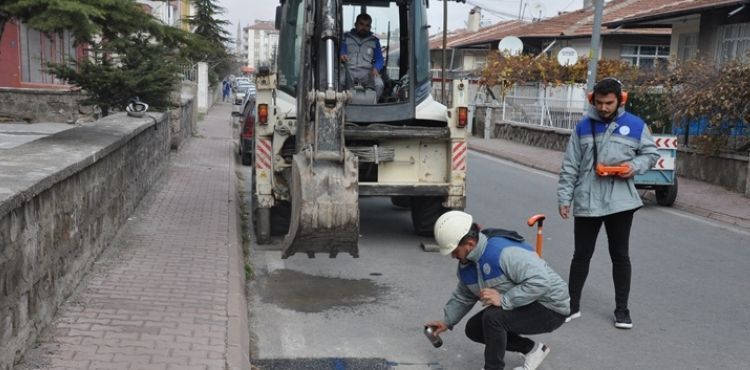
(687,46)
(290,44)
(734,43)
(644,55)
(421,52)
(38,49)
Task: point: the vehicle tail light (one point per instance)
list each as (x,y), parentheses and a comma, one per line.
(249,128)
(463,117)
(263,114)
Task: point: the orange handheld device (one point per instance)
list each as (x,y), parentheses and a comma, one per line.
(603,170)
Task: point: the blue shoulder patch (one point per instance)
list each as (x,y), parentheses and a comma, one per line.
(584,127)
(630,126)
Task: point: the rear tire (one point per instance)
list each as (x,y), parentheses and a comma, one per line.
(666,195)
(424,212)
(247,158)
(281,215)
(401,201)
(263,225)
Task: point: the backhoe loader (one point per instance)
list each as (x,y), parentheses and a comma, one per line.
(321,143)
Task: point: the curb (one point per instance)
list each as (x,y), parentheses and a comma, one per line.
(238,335)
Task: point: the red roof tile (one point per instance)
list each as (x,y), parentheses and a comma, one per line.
(485,34)
(577,23)
(667,9)
(262,25)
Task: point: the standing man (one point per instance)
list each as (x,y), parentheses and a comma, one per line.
(607,136)
(361,52)
(521,293)
(225,90)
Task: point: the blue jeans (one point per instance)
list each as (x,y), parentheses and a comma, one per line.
(499,330)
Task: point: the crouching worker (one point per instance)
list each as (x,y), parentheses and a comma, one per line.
(521,294)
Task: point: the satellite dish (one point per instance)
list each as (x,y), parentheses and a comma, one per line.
(567,56)
(510,45)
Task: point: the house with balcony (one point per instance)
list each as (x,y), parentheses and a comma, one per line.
(641,46)
(711,29)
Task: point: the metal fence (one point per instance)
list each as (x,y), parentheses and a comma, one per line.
(189,72)
(559,107)
(532,104)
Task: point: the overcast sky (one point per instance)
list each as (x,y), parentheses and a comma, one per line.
(247,11)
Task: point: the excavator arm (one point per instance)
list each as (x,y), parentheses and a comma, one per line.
(324,191)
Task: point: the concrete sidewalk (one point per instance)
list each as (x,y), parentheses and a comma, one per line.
(693,196)
(168,293)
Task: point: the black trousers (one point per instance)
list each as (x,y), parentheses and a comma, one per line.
(586,230)
(499,330)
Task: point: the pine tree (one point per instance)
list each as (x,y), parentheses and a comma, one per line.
(207,25)
(213,38)
(130,52)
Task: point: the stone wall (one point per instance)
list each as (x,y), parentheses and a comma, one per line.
(730,171)
(62,199)
(727,170)
(42,105)
(184,118)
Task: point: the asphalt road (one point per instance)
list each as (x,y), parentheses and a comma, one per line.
(689,297)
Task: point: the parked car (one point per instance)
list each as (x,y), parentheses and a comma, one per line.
(245,129)
(239,93)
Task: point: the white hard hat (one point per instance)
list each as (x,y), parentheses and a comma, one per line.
(450,228)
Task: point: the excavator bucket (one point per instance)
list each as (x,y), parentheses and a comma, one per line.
(325,209)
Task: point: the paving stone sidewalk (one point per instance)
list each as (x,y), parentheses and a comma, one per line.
(167,293)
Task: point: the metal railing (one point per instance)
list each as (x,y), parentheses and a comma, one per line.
(189,72)
(559,107)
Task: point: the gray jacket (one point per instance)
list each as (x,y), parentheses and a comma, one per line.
(626,139)
(525,279)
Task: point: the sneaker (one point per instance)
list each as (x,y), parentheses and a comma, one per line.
(622,319)
(533,359)
(573,316)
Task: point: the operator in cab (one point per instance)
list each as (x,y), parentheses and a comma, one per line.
(361,52)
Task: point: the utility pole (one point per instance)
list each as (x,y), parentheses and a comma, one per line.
(594,51)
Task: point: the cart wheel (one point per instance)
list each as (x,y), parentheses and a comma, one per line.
(666,195)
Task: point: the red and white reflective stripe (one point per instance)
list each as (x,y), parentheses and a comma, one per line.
(459,156)
(666,142)
(263,154)
(664,163)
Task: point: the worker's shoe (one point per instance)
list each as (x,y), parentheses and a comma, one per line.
(533,359)
(573,316)
(622,319)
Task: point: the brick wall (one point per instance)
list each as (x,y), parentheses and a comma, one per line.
(62,199)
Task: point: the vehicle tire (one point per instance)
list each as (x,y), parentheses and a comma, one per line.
(247,158)
(424,212)
(263,225)
(281,215)
(401,201)
(666,195)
